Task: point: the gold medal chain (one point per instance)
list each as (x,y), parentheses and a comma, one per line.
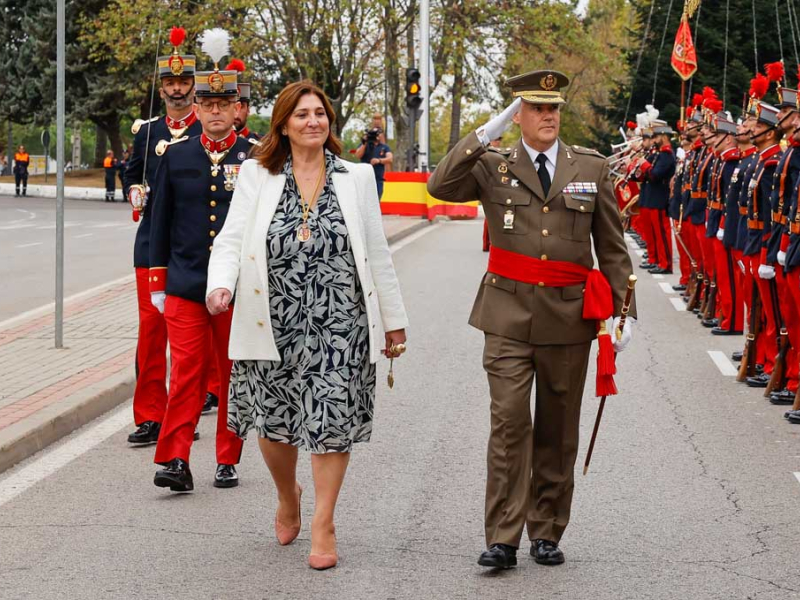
(306,206)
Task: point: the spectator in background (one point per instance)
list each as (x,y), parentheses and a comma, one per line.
(373,150)
(21,161)
(110,165)
(126,155)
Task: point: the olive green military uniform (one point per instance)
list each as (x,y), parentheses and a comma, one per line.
(533,332)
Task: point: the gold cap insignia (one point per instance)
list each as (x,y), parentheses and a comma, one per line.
(176,65)
(548,82)
(216,82)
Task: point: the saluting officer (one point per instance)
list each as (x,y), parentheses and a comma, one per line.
(176,72)
(194,187)
(545,202)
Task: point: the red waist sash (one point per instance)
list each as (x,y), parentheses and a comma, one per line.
(597,301)
(598,304)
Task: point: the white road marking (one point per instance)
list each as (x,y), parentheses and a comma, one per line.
(639,252)
(678,304)
(413,237)
(797,476)
(666,287)
(52,460)
(724,365)
(43,310)
(657,275)
(29,245)
(15,226)
(83,235)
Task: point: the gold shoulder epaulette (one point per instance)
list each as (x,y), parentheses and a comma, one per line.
(137,124)
(162,146)
(589,151)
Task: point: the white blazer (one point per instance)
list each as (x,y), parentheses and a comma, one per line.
(239,260)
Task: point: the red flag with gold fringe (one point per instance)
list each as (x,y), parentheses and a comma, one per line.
(684,56)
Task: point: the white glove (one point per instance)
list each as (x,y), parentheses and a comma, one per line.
(766,272)
(627,333)
(720,233)
(782,258)
(157,299)
(497,125)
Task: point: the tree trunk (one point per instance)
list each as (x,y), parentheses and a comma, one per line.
(392,73)
(457,93)
(100,146)
(114,137)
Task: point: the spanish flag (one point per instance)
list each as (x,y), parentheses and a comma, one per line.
(684,56)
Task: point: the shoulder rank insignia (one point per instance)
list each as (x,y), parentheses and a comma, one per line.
(137,124)
(162,146)
(499,150)
(590,151)
(253,141)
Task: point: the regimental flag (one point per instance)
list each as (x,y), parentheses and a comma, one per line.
(684,56)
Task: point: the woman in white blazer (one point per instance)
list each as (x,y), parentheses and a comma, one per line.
(316,304)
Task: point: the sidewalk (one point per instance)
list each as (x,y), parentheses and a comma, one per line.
(46,393)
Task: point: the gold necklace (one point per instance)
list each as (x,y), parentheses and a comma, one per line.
(304,231)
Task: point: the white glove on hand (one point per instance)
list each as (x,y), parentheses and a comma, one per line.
(782,258)
(766,272)
(497,125)
(720,234)
(157,299)
(627,333)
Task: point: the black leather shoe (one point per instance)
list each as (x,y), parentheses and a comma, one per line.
(789,413)
(794,417)
(545,552)
(147,433)
(196,434)
(176,476)
(710,322)
(782,398)
(226,476)
(719,331)
(758,381)
(679,288)
(647,266)
(661,271)
(499,556)
(759,369)
(736,356)
(211,403)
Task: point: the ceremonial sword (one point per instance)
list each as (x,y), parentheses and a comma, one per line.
(626,307)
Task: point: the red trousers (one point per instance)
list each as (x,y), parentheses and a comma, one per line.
(730,299)
(791,320)
(706,250)
(769,309)
(691,237)
(793,293)
(683,260)
(646,223)
(189,324)
(150,395)
(660,232)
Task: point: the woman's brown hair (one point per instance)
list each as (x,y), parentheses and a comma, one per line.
(273,150)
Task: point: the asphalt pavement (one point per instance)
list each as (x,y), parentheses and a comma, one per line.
(98,238)
(692,491)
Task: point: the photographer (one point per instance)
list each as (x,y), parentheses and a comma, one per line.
(373,150)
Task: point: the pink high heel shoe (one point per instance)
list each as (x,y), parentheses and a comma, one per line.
(286,535)
(327,560)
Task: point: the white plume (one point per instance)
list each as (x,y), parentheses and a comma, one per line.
(642,120)
(728,115)
(652,112)
(216,43)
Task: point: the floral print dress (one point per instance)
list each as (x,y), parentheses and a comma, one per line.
(320,396)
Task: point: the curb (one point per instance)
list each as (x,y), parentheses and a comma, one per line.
(27,437)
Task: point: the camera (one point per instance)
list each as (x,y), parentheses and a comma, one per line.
(371,135)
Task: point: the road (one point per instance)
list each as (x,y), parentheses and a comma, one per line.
(98,242)
(692,491)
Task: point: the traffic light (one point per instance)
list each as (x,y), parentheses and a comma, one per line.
(413,88)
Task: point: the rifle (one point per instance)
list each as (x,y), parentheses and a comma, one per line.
(747,368)
(778,379)
(677,230)
(694,298)
(711,304)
